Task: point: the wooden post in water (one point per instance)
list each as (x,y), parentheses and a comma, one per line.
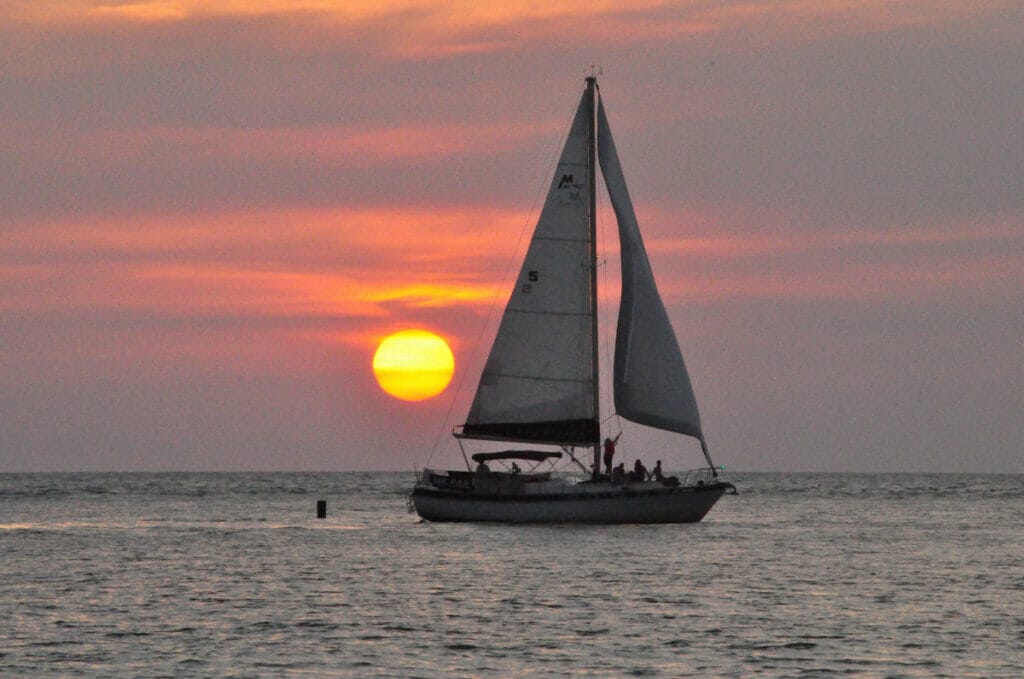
(321,509)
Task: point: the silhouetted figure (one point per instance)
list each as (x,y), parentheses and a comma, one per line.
(609,452)
(660,477)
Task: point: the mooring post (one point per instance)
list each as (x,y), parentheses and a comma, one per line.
(321,509)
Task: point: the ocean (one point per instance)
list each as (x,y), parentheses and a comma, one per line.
(232,575)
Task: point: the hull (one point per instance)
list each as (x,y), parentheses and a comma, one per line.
(595,504)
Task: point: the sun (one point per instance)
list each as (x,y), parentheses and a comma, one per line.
(413,365)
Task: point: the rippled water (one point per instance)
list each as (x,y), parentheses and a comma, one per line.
(130,575)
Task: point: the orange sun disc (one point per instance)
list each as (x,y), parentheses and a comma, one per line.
(413,365)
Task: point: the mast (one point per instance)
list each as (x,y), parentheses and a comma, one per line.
(592,179)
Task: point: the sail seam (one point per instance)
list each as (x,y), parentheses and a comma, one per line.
(540,379)
(562,240)
(546,313)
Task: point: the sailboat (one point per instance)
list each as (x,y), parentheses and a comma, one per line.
(540,384)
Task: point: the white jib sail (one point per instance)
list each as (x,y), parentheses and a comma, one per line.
(538,381)
(651,384)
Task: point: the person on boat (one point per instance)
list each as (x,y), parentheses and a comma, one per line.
(660,477)
(619,473)
(515,468)
(482,469)
(639,473)
(609,452)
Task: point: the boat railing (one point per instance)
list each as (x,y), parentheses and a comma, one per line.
(705,476)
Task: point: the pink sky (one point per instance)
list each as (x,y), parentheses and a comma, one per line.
(209,218)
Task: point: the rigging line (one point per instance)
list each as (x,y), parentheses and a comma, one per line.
(618,421)
(531,217)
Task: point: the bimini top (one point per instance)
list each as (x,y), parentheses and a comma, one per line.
(534,455)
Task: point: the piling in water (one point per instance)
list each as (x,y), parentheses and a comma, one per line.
(321,509)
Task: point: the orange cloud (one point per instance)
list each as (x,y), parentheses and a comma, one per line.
(455,13)
(260,290)
(355,145)
(289,264)
(800,242)
(424,28)
(304,272)
(900,263)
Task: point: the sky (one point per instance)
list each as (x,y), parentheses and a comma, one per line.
(212,213)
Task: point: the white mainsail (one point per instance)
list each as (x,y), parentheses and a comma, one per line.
(538,382)
(651,384)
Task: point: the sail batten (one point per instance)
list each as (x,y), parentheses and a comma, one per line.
(534,377)
(544,313)
(651,383)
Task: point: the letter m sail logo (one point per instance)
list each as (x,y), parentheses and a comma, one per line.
(565,181)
